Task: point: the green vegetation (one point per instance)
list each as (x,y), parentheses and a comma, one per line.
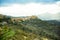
(27,29)
(6,33)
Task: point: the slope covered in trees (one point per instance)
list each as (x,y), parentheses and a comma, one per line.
(27,28)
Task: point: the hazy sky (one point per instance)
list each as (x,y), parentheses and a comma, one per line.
(47,9)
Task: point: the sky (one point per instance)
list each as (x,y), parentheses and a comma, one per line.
(45,9)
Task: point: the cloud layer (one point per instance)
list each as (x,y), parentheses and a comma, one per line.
(31,9)
(8,2)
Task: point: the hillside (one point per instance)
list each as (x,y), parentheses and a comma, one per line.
(27,28)
(55,22)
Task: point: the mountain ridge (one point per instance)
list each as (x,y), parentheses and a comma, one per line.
(34,28)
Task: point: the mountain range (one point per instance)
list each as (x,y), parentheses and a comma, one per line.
(28,28)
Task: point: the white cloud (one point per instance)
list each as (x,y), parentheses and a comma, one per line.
(30,9)
(48,16)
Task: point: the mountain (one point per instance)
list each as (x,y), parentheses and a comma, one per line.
(49,16)
(27,28)
(55,22)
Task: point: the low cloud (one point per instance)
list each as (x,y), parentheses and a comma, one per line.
(30,9)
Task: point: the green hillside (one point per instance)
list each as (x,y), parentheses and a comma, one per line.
(27,28)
